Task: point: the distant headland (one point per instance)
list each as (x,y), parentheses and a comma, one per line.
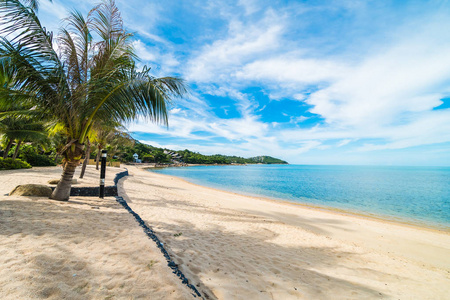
(144,153)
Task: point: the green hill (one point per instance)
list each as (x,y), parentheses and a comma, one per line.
(152,154)
(268,160)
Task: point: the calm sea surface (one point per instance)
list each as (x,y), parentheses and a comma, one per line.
(414,194)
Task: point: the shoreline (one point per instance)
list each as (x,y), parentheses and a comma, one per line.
(228,245)
(364,215)
(239,246)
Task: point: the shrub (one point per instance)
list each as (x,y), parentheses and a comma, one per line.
(38,160)
(10,164)
(148,158)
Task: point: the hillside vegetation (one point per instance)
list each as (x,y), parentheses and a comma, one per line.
(151,154)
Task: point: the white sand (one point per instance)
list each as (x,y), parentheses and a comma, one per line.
(86,248)
(231,246)
(238,247)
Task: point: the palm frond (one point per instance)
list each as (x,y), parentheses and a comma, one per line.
(22,24)
(33,4)
(107,21)
(91,84)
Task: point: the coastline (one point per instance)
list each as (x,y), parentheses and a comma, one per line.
(360,214)
(228,245)
(239,245)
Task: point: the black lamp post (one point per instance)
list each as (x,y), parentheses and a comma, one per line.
(102,174)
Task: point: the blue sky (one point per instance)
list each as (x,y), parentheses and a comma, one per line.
(311,82)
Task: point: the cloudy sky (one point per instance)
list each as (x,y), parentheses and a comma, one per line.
(311,82)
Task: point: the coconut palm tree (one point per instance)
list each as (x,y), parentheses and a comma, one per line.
(21,130)
(99,133)
(90,80)
(19,123)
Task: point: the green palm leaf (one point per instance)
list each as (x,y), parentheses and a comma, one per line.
(91,83)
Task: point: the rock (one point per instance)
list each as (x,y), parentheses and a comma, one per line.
(37,190)
(56,181)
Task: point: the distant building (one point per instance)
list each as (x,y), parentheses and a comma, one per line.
(176,158)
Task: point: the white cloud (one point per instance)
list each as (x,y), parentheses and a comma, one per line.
(216,62)
(375,92)
(165,62)
(343,143)
(289,68)
(250,6)
(407,78)
(185,126)
(54,8)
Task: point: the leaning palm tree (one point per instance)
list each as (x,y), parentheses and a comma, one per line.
(90,80)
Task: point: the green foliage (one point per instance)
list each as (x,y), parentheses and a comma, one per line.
(91,80)
(123,152)
(10,164)
(267,160)
(30,155)
(197,158)
(148,158)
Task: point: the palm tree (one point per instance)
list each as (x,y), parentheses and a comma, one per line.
(18,124)
(99,134)
(104,134)
(21,130)
(89,82)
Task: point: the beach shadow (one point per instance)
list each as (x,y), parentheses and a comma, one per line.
(309,224)
(61,274)
(216,254)
(42,234)
(60,218)
(252,262)
(213,252)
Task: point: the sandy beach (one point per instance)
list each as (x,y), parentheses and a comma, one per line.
(239,247)
(230,246)
(86,248)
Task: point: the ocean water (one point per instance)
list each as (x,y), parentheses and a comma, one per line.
(420,195)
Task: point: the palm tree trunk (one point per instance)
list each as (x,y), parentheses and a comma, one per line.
(99,147)
(73,156)
(16,152)
(62,190)
(86,159)
(5,154)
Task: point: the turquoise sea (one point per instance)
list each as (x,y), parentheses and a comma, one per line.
(420,195)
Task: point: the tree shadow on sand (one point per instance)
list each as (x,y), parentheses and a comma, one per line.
(39,236)
(252,262)
(249,261)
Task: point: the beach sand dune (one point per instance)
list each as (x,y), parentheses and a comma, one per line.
(238,247)
(87,248)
